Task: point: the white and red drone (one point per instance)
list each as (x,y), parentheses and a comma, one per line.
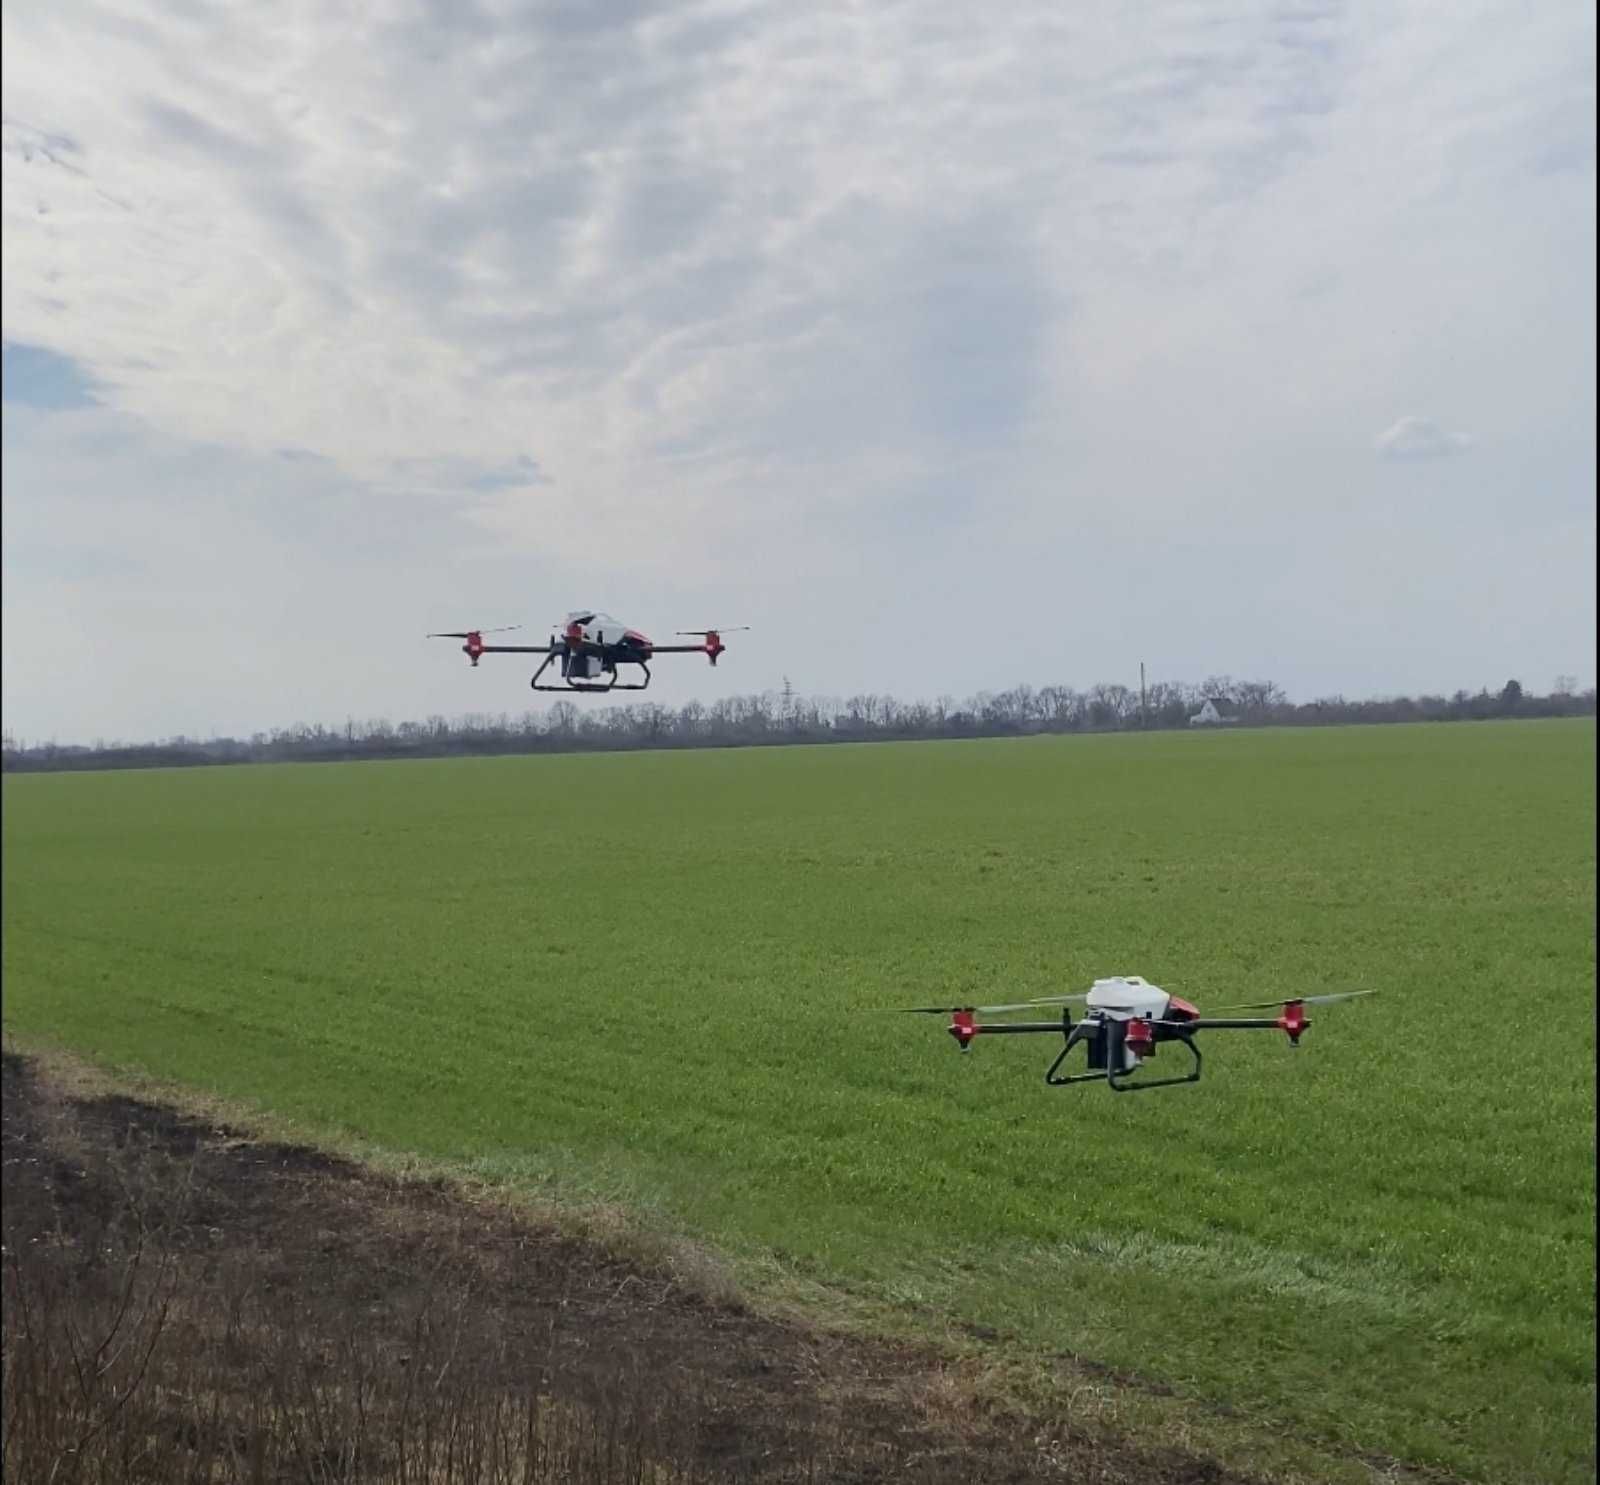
(1126,1019)
(590,646)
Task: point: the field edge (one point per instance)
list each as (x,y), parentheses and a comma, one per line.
(1012,1377)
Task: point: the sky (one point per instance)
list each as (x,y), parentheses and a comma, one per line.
(949,347)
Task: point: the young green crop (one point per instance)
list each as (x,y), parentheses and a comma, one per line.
(666,978)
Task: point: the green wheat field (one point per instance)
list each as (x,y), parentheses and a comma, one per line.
(666,980)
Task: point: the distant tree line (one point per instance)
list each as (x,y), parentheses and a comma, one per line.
(777,717)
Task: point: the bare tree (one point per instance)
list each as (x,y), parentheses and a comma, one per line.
(1058,707)
(1111,704)
(1258,698)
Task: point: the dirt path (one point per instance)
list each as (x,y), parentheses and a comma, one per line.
(300,1317)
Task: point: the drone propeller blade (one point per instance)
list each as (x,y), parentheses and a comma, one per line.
(468,633)
(1044,1000)
(1267,1005)
(950,1010)
(730,629)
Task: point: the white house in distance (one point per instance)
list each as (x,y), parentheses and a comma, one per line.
(1218,711)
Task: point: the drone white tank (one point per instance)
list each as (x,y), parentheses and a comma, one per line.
(1129,995)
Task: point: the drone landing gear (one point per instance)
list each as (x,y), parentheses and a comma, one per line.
(1120,1082)
(1104,1048)
(1075,1034)
(613,684)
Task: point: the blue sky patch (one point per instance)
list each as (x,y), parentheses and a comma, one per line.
(32,376)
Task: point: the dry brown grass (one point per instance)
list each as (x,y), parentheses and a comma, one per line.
(185,1302)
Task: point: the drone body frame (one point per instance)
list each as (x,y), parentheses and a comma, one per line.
(1126,1019)
(590,645)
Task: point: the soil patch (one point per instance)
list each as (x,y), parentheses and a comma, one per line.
(182,1301)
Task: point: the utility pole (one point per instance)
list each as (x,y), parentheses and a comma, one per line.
(1143,720)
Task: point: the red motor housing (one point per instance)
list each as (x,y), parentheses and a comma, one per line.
(1140,1037)
(714,645)
(1293,1021)
(962,1027)
(474,645)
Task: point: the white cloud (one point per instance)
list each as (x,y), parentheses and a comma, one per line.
(1420,438)
(752,302)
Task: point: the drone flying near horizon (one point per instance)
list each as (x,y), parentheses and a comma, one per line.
(1125,1020)
(591,645)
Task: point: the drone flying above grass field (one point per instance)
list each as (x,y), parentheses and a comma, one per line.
(590,645)
(1127,1021)
(1149,452)
(663,980)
